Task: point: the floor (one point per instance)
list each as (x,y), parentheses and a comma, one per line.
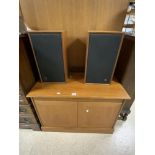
(121,142)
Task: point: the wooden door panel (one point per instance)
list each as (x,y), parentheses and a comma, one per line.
(57,113)
(98,114)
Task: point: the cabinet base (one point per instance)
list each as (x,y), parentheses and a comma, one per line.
(81,130)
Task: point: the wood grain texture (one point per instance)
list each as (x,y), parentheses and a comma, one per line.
(81,130)
(25,109)
(35,127)
(98,114)
(76,17)
(82,90)
(72,116)
(56,113)
(27,119)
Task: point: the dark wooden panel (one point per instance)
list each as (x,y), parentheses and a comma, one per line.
(103,50)
(28,119)
(35,127)
(28,75)
(48,51)
(125,71)
(27,68)
(25,109)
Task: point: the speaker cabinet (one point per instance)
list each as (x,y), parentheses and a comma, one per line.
(50,56)
(102,54)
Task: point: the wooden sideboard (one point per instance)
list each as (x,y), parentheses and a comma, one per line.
(75,106)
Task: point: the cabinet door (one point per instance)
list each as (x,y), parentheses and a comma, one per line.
(57,113)
(98,114)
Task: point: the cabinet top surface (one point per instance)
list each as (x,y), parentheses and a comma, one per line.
(76,88)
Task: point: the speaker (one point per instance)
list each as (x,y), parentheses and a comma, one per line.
(50,56)
(102,54)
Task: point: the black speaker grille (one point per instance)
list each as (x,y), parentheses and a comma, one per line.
(48,52)
(102,54)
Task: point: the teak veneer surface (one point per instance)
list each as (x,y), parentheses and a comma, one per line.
(82,90)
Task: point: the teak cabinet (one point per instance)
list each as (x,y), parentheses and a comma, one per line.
(78,107)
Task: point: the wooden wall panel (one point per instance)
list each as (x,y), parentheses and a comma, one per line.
(76,17)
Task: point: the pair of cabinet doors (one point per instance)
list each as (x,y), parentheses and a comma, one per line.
(73,114)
